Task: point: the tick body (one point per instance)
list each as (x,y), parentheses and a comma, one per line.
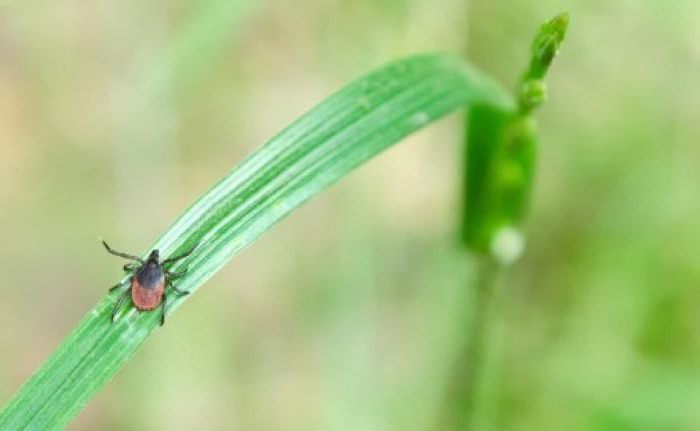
(148,285)
(148,282)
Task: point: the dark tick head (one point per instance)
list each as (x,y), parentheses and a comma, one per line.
(154,256)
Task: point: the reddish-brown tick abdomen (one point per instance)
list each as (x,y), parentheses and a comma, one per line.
(147,287)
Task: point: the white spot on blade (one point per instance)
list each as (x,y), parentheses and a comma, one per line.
(419,119)
(508,245)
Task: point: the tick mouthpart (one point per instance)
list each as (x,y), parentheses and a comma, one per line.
(154,256)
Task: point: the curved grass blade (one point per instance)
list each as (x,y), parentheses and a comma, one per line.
(355,124)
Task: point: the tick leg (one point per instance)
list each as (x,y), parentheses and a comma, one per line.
(175,274)
(117,286)
(162,309)
(120,254)
(182,256)
(119,303)
(130,266)
(172,286)
(165,299)
(178,291)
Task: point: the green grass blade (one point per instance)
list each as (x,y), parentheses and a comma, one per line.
(355,124)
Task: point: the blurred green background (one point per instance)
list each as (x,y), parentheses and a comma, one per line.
(114,116)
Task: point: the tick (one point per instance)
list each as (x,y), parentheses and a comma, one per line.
(148,282)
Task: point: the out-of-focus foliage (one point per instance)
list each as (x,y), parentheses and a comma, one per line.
(115,116)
